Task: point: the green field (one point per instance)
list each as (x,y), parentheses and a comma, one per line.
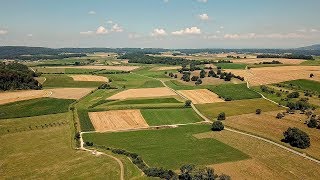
(145,101)
(304,84)
(132,80)
(34,107)
(156,117)
(234,91)
(47,153)
(231,65)
(176,85)
(233,108)
(170,148)
(62,80)
(312,62)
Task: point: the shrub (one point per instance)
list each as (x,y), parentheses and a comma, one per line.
(202,73)
(293,95)
(221,116)
(312,123)
(217,126)
(296,138)
(187,103)
(279,116)
(258,111)
(194,78)
(199,81)
(89,143)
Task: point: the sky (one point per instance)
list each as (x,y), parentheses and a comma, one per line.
(160,23)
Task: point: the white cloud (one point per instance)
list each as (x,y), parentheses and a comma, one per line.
(2,32)
(221,27)
(86,32)
(204,17)
(29,35)
(158,32)
(92,12)
(203,1)
(187,31)
(165,1)
(134,36)
(313,30)
(116,28)
(102,30)
(218,31)
(110,22)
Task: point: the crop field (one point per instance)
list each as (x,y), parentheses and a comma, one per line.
(270,75)
(267,125)
(165,68)
(55,81)
(133,81)
(118,68)
(234,91)
(9,97)
(177,85)
(155,117)
(117,120)
(231,65)
(151,145)
(201,96)
(260,60)
(232,108)
(69,93)
(48,153)
(303,84)
(265,160)
(143,93)
(89,78)
(146,101)
(34,107)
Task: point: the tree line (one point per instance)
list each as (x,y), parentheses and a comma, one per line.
(17,76)
(286,56)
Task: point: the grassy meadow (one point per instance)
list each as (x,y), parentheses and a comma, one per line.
(61,80)
(234,91)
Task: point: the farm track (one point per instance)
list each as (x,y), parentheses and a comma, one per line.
(241,132)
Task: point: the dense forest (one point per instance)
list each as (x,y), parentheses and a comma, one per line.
(17,76)
(286,56)
(146,59)
(12,51)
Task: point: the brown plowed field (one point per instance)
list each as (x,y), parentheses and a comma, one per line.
(270,75)
(201,96)
(143,93)
(117,120)
(89,78)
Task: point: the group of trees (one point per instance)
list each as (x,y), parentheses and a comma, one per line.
(272,62)
(17,76)
(287,56)
(296,138)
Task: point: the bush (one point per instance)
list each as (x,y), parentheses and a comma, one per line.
(221,116)
(279,116)
(296,138)
(217,126)
(187,103)
(89,143)
(258,111)
(312,123)
(293,95)
(194,78)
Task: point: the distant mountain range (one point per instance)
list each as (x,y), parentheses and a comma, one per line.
(312,47)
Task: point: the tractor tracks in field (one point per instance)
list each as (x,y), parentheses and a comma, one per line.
(241,132)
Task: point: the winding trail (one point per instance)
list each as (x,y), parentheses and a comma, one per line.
(102,153)
(241,132)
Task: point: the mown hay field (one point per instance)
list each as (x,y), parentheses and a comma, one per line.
(201,96)
(89,78)
(119,68)
(142,93)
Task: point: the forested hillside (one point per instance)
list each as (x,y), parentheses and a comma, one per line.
(17,76)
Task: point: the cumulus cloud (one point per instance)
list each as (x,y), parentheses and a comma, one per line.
(204,17)
(116,28)
(102,30)
(203,1)
(86,32)
(2,32)
(188,31)
(92,12)
(158,32)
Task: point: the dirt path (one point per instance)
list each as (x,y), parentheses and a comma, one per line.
(102,153)
(240,132)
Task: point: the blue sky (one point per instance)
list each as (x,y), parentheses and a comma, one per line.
(160,23)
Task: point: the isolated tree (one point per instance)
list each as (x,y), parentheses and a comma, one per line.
(194,78)
(217,126)
(258,111)
(279,116)
(311,75)
(202,73)
(175,76)
(199,81)
(211,73)
(221,116)
(296,138)
(187,103)
(312,123)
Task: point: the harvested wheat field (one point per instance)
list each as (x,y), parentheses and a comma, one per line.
(165,68)
(117,120)
(89,78)
(267,125)
(143,93)
(258,60)
(270,75)
(201,96)
(8,97)
(70,93)
(116,68)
